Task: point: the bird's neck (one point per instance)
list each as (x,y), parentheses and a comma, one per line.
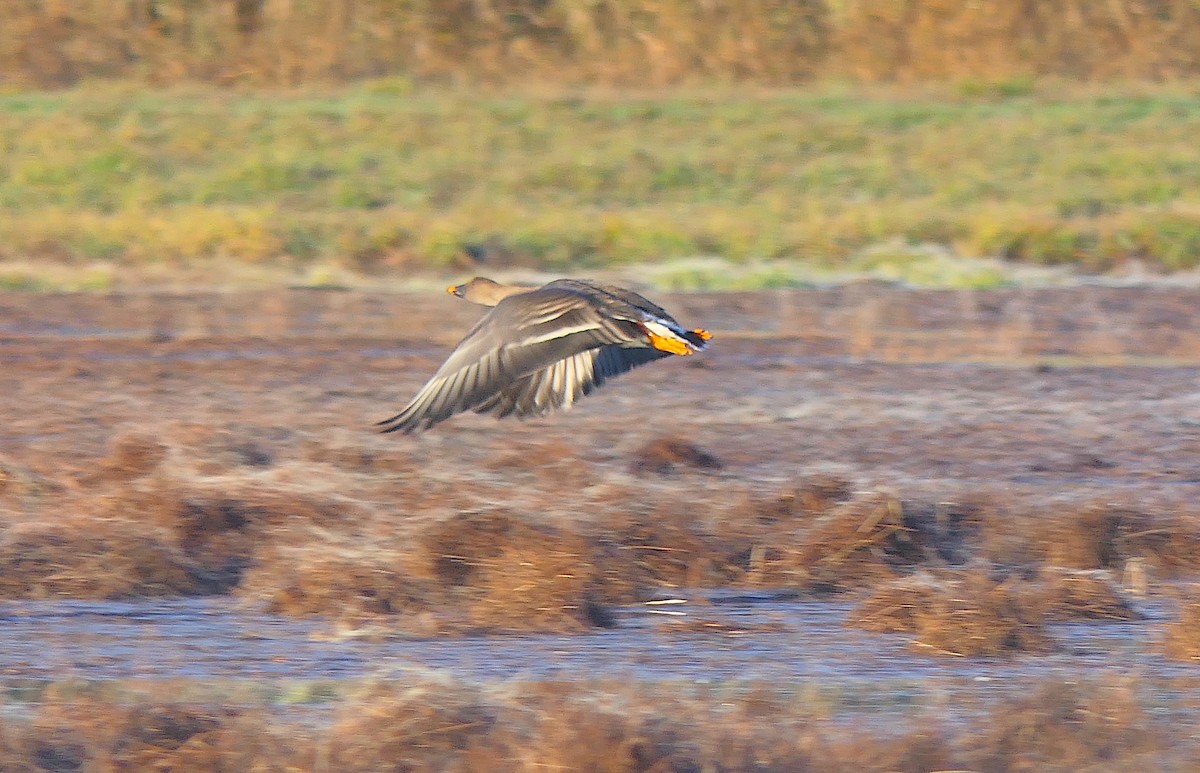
(490,295)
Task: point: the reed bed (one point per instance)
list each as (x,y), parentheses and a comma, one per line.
(993,45)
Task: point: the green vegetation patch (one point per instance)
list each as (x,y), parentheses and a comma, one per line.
(375,179)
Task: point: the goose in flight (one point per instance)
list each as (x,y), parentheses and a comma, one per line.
(540,349)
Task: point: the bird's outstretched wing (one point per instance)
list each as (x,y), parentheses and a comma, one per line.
(558,386)
(540,334)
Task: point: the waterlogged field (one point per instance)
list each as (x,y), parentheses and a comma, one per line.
(871,529)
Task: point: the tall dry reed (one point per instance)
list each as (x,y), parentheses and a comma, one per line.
(611,42)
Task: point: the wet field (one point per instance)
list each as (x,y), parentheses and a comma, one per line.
(192,495)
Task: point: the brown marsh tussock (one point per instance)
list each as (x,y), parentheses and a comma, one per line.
(1096,535)
(967,613)
(1072,594)
(93,559)
(1182,640)
(666,455)
(869,538)
(150,520)
(426,725)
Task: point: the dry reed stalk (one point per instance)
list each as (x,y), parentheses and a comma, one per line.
(613,42)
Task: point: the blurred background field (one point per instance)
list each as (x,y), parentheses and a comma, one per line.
(367,180)
(328,142)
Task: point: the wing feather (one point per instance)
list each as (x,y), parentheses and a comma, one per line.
(517,350)
(559,385)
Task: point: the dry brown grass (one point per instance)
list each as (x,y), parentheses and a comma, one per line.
(855,543)
(1090,537)
(994,39)
(612,42)
(527,533)
(219,524)
(417,728)
(806,499)
(982,611)
(132,455)
(93,559)
(667,546)
(971,613)
(23,489)
(90,734)
(353,580)
(1165,536)
(664,456)
(170,514)
(872,537)
(424,725)
(517,574)
(495,572)
(553,464)
(1082,595)
(1182,640)
(1070,727)
(499,569)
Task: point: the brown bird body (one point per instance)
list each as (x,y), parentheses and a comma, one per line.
(542,348)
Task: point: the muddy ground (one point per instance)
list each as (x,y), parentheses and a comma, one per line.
(960,471)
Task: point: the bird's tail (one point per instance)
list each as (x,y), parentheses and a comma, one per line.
(666,336)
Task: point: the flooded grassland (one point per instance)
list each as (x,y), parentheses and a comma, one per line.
(871,529)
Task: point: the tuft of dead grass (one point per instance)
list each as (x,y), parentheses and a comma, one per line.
(133,454)
(497,572)
(821,535)
(863,541)
(807,498)
(348,579)
(1168,542)
(221,524)
(420,727)
(93,559)
(1069,726)
(1090,537)
(516,574)
(166,737)
(961,614)
(1096,535)
(665,455)
(23,489)
(1182,640)
(92,734)
(665,547)
(1082,595)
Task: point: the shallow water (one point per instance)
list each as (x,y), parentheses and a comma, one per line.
(211,650)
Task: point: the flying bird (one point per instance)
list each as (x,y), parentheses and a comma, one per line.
(542,348)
